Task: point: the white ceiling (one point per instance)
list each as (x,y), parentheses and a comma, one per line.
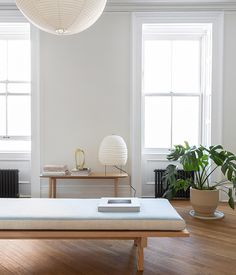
(150,1)
(7,1)
(154,5)
(172,1)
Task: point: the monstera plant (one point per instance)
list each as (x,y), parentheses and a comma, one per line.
(204,161)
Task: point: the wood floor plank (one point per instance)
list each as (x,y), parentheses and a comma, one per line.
(210,250)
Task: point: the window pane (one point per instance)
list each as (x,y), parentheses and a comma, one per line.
(19,88)
(2,115)
(15,146)
(185,120)
(157,122)
(186,66)
(19,116)
(157,66)
(3,60)
(2,88)
(19,60)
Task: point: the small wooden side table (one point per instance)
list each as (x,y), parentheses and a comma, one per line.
(52,181)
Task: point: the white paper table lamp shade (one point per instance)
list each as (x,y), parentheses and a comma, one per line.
(113,151)
(62,16)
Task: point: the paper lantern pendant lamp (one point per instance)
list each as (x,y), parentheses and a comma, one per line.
(113,151)
(62,16)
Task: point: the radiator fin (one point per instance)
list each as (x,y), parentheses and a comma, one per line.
(9,183)
(159,184)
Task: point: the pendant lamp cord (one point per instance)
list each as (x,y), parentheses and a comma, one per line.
(131,186)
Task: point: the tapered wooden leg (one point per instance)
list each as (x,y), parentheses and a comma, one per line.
(50,183)
(54,189)
(141,244)
(130,184)
(116,187)
(136,242)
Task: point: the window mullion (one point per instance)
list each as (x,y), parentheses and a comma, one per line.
(6,114)
(7,92)
(20,138)
(175,94)
(171,79)
(171,122)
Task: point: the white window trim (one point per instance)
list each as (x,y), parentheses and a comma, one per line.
(14,137)
(203,33)
(16,16)
(138,19)
(35,117)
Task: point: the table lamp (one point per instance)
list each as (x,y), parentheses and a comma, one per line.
(113,152)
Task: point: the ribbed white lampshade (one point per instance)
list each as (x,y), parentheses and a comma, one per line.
(113,151)
(62,16)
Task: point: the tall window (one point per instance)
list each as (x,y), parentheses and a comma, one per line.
(176,84)
(15,87)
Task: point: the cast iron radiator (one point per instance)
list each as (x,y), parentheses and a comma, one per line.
(9,183)
(160,188)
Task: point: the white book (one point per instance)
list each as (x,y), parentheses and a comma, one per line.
(80,174)
(48,174)
(55,168)
(119,205)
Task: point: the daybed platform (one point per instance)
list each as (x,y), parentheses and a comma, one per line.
(79,219)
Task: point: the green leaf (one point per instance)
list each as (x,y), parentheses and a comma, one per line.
(230,174)
(216,147)
(234,182)
(217,159)
(169,194)
(231,199)
(186,145)
(224,168)
(231,202)
(181,184)
(198,159)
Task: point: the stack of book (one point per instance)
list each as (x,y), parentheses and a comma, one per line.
(119,205)
(55,170)
(81,172)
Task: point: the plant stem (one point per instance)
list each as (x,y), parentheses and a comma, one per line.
(207,177)
(221,183)
(198,179)
(202,173)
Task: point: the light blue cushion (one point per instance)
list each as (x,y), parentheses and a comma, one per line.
(155,214)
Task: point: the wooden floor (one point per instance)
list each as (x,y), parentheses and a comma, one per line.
(211,250)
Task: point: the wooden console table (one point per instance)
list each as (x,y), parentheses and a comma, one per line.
(52,181)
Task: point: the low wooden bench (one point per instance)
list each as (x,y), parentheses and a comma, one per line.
(80,219)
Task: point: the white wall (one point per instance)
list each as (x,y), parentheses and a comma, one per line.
(85,95)
(85,83)
(229,88)
(229,109)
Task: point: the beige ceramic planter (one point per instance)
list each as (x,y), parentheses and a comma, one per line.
(204,202)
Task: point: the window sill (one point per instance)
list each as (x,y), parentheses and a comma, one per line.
(153,153)
(15,156)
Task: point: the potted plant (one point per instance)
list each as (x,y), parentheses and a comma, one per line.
(204,161)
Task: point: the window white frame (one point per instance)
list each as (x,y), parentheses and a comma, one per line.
(201,32)
(14,15)
(158,35)
(138,19)
(7,95)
